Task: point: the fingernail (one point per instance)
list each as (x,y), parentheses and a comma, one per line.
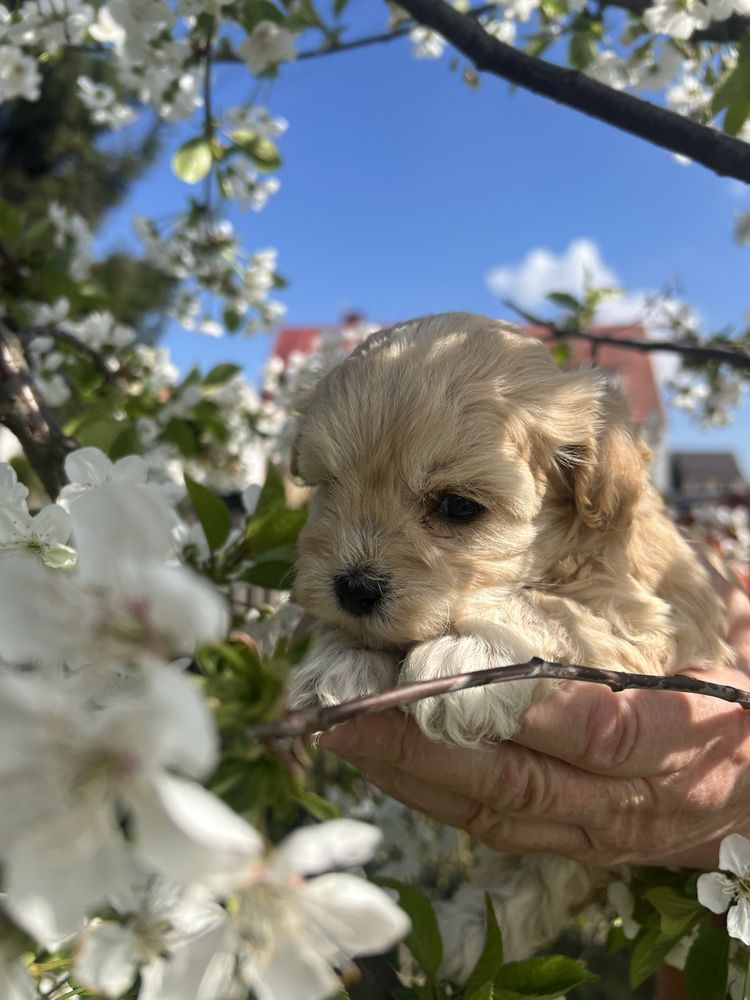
(336,739)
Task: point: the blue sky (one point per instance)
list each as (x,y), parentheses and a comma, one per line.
(402,190)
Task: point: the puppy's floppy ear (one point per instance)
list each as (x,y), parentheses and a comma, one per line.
(607,473)
(301,405)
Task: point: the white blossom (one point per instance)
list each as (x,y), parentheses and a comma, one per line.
(428,44)
(729,888)
(12,493)
(45,535)
(70,772)
(267,45)
(19,75)
(678,18)
(291,926)
(170,935)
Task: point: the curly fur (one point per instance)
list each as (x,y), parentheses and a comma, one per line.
(573,559)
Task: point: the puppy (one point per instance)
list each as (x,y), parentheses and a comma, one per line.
(475,505)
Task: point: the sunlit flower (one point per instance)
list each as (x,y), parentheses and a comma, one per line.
(729,888)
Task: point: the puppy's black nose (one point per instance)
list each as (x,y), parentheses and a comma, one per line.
(358,593)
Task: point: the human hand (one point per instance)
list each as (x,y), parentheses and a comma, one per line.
(646,777)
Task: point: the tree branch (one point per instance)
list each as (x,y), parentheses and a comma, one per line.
(24,412)
(319,719)
(724,154)
(735,358)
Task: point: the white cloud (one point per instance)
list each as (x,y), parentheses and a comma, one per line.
(541,272)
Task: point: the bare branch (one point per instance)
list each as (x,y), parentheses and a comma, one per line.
(735,358)
(63,337)
(724,154)
(320,719)
(25,414)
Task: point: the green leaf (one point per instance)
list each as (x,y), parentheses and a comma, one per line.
(255,11)
(562,353)
(126,443)
(677,912)
(707,965)
(193,160)
(491,959)
(271,575)
(424,940)
(276,530)
(272,497)
(11,221)
(544,976)
(564,300)
(650,949)
(212,512)
(733,93)
(262,152)
(221,374)
(582,50)
(180,432)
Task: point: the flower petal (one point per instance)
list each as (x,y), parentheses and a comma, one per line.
(52,525)
(356,915)
(106,958)
(339,843)
(292,969)
(738,921)
(186,833)
(117,523)
(734,854)
(716,891)
(88,466)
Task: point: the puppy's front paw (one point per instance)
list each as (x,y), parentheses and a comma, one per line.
(334,671)
(475,715)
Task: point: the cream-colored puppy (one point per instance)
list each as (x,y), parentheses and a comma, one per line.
(475,505)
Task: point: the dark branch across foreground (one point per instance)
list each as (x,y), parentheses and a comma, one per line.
(24,412)
(694,352)
(723,154)
(318,719)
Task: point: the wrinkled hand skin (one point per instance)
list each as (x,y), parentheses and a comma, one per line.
(645,777)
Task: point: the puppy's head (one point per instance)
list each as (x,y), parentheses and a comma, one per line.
(450,458)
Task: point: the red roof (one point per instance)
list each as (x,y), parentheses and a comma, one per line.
(632,367)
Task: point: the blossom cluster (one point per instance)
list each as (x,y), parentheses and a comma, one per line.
(111,846)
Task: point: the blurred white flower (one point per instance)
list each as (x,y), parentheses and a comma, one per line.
(291,926)
(678,18)
(427,44)
(170,936)
(19,75)
(267,45)
(70,773)
(729,888)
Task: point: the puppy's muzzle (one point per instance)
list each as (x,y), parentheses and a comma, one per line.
(359,594)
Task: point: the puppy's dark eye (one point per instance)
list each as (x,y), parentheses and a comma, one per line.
(456,508)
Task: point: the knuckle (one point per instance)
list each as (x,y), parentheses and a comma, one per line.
(610,736)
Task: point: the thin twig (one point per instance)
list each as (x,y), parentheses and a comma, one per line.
(723,154)
(734,358)
(64,337)
(320,719)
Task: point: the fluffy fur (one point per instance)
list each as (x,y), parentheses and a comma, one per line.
(573,558)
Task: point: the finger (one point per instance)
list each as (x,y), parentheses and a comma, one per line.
(498,831)
(633,733)
(507,778)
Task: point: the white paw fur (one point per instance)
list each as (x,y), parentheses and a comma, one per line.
(335,671)
(476,715)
